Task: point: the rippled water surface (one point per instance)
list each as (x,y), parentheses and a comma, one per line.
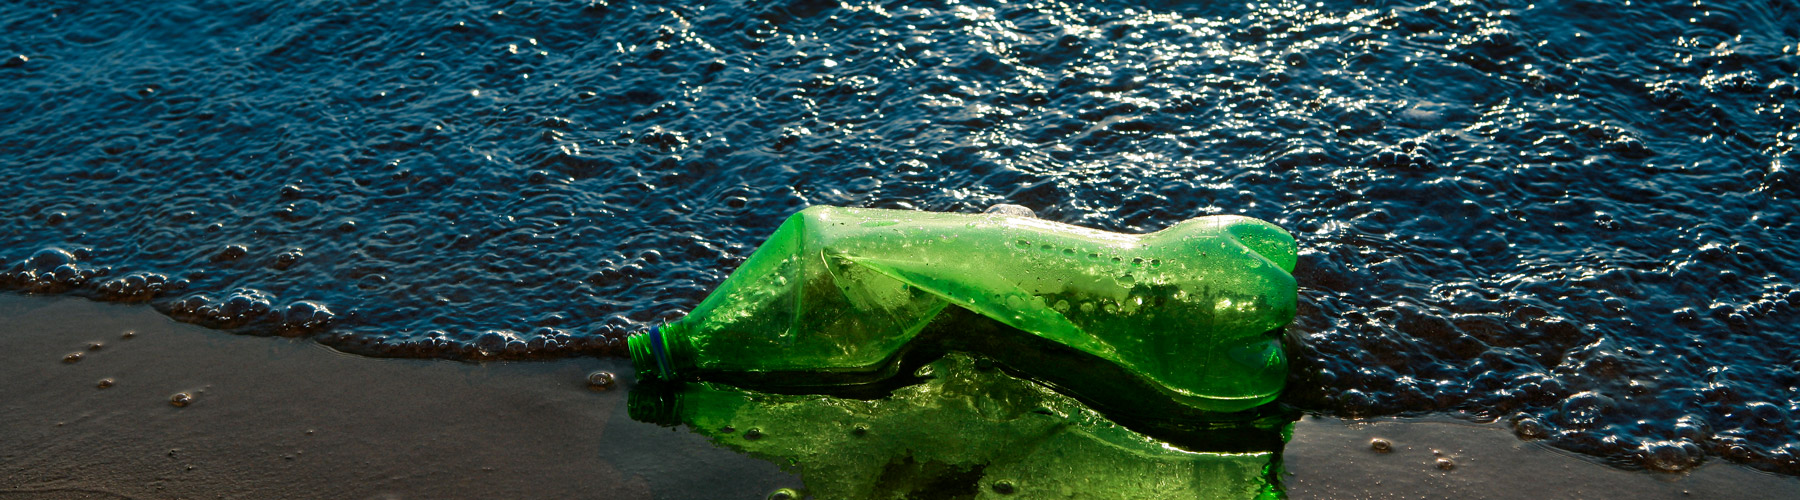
(1575,216)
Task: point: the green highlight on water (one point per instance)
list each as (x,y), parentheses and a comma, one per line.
(1182,323)
(966,432)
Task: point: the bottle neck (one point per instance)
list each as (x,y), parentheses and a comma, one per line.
(661,353)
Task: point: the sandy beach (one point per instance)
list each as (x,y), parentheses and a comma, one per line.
(287,418)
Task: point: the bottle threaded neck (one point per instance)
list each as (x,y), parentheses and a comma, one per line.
(658,353)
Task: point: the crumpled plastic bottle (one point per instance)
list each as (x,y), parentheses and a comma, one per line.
(1181,321)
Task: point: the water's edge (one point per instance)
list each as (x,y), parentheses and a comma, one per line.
(281,417)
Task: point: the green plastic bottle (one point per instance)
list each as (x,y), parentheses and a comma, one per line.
(968,432)
(1182,320)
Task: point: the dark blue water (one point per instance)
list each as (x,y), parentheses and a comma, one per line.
(1575,216)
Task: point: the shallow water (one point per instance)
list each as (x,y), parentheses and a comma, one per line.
(274,418)
(1575,216)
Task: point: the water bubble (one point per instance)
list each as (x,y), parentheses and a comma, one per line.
(1530,428)
(1693,429)
(859,431)
(784,494)
(372,281)
(1666,456)
(306,316)
(1356,402)
(230,253)
(1004,487)
(1766,413)
(1381,445)
(753,434)
(66,273)
(287,259)
(50,258)
(1686,314)
(1586,409)
(181,400)
(601,380)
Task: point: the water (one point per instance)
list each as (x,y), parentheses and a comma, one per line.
(1575,216)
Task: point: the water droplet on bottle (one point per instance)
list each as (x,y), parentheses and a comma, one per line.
(1087,307)
(753,434)
(1446,463)
(1004,487)
(181,400)
(104,383)
(1015,301)
(784,494)
(72,357)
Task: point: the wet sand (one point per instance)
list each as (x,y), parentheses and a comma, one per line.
(285,418)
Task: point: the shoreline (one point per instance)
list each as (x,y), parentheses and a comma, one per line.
(279,417)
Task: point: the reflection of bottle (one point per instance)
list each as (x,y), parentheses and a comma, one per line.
(966,432)
(1187,315)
